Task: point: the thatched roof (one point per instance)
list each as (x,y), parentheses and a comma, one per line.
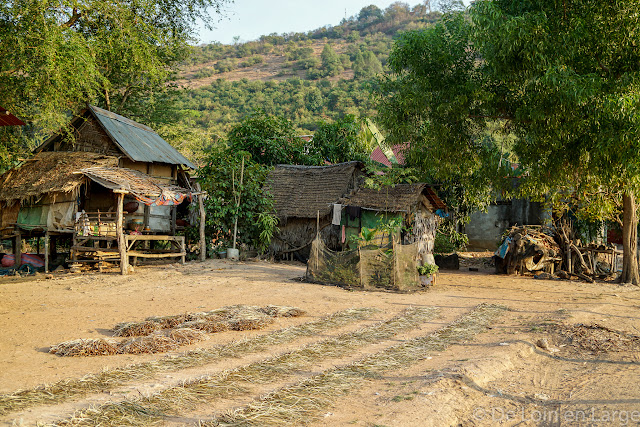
(146,188)
(303,191)
(49,172)
(400,198)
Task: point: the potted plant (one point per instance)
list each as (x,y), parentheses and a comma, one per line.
(427,274)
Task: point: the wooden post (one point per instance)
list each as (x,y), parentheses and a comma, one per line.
(46,252)
(569,269)
(18,249)
(122,244)
(183,249)
(174,210)
(203,242)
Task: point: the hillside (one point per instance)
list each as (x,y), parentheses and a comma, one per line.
(305,77)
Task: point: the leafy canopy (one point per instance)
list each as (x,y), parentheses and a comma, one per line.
(56,56)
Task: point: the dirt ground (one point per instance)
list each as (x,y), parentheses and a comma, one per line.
(564,353)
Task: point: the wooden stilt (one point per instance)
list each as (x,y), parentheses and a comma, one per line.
(46,252)
(122,245)
(18,248)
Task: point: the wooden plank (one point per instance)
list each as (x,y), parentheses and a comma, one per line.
(141,254)
(92,249)
(132,237)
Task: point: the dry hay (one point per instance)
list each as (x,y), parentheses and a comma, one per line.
(282,311)
(210,326)
(247,323)
(85,347)
(135,329)
(596,338)
(183,336)
(154,343)
(109,379)
(236,317)
(168,322)
(234,382)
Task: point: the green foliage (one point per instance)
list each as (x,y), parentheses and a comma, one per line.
(340,141)
(57,56)
(270,140)
(427,269)
(331,64)
(448,240)
(256,221)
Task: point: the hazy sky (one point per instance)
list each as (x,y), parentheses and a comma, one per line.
(250,19)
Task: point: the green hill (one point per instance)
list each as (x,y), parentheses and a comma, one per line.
(304,77)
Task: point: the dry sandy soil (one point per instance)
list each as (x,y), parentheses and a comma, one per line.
(530,366)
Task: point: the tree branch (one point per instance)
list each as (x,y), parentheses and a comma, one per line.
(75,16)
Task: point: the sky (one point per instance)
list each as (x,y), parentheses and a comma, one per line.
(250,19)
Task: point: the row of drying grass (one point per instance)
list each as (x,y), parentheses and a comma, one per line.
(235,317)
(235,382)
(109,379)
(303,402)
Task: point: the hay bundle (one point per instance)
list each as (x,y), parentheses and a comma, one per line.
(183,336)
(154,343)
(210,326)
(168,322)
(135,329)
(282,311)
(247,323)
(85,347)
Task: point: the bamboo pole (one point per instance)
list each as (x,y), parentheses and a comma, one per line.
(203,242)
(46,252)
(235,222)
(122,245)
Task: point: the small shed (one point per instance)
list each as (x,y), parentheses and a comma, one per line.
(107,184)
(418,205)
(304,199)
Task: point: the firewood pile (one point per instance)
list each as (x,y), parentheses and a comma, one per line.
(528,249)
(554,253)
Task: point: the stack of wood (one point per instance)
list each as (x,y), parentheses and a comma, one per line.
(554,253)
(528,249)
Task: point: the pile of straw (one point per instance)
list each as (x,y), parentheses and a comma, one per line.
(135,329)
(161,334)
(154,343)
(236,318)
(87,347)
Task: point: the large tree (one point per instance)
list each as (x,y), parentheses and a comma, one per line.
(56,56)
(566,73)
(563,76)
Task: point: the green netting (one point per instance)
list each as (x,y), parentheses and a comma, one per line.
(392,268)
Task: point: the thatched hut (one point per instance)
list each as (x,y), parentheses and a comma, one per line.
(304,201)
(89,184)
(418,205)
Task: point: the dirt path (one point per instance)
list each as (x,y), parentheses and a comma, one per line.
(517,372)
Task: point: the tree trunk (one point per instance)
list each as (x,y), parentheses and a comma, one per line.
(629,240)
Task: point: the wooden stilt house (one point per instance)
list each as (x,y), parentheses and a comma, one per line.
(109,185)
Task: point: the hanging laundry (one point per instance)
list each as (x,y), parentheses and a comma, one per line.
(353,212)
(337,214)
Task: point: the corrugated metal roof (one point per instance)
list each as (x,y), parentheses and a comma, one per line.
(8,119)
(139,142)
